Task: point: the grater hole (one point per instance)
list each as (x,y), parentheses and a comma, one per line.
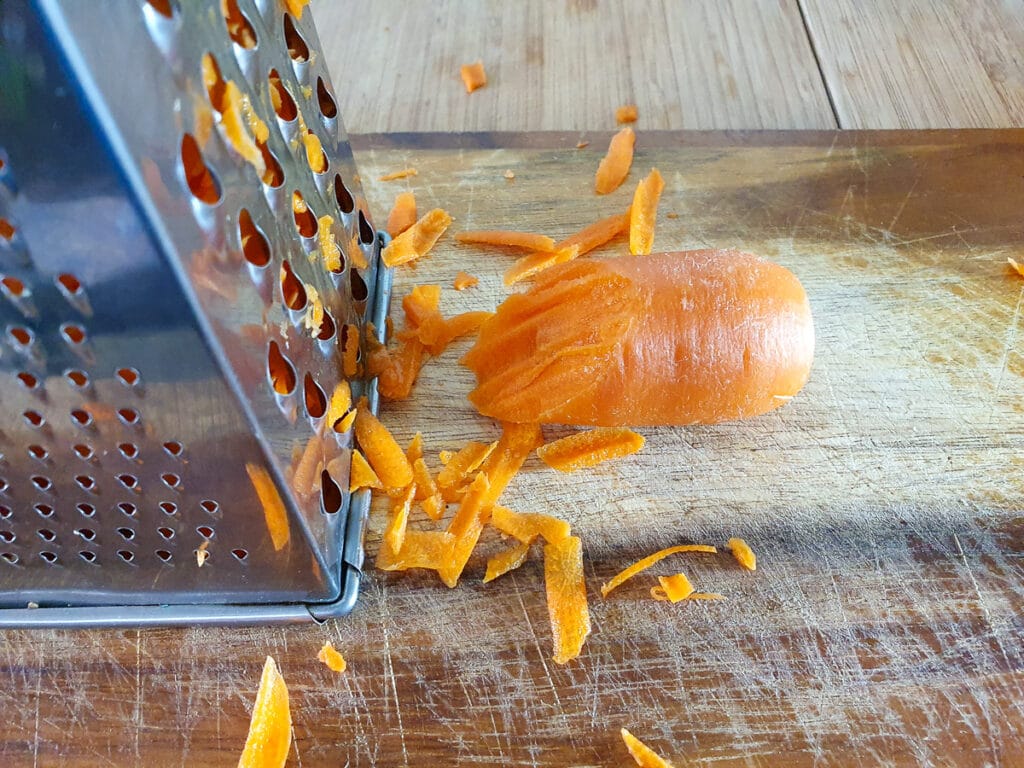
(69,285)
(201,182)
(327,327)
(165,532)
(7,537)
(255,247)
(88,534)
(10,557)
(3,485)
(330,494)
(34,418)
(174,448)
(126,533)
(282,374)
(297,48)
(273,175)
(5,512)
(49,557)
(83,451)
(350,335)
(328,107)
(359,290)
(240,29)
(7,230)
(46,535)
(12,287)
(130,377)
(316,400)
(206,531)
(240,554)
(284,104)
(341,194)
(128,450)
(210,506)
(76,378)
(27,380)
(81,417)
(126,554)
(128,416)
(86,510)
(72,333)
(129,481)
(21,337)
(365,230)
(85,482)
(42,482)
(89,557)
(292,290)
(171,480)
(128,508)
(163,7)
(305,221)
(43,510)
(38,452)
(168,507)
(164,555)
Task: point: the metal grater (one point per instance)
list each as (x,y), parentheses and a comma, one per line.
(165,456)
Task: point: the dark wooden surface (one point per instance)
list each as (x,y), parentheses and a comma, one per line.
(883,625)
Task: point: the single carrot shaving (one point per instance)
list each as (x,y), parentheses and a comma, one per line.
(465,527)
(420,303)
(270,729)
(361,474)
(350,350)
(330,253)
(644,756)
(614,167)
(526,526)
(274,513)
(394,534)
(306,478)
(582,144)
(295,7)
(473,76)
(464,280)
(461,465)
(643,213)
(590,448)
(627,113)
(433,506)
(415,449)
(647,562)
(526,240)
(396,379)
(330,657)
(355,253)
(1017,267)
(313,316)
(417,241)
(426,490)
(516,443)
(315,156)
(530,265)
(345,424)
(566,597)
(673,588)
(420,549)
(380,449)
(597,234)
(402,174)
(743,553)
(445,456)
(340,403)
(236,127)
(506,561)
(437,333)
(403,215)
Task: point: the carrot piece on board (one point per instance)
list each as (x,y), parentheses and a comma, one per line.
(270,729)
(672,588)
(394,534)
(417,240)
(597,234)
(743,553)
(340,403)
(526,526)
(464,280)
(516,443)
(466,527)
(567,597)
(355,252)
(361,474)
(420,549)
(346,422)
(395,381)
(237,127)
(330,657)
(437,333)
(350,349)
(330,253)
(274,513)
(457,471)
(590,448)
(315,157)
(385,455)
(426,490)
(415,449)
(647,562)
(420,303)
(1016,266)
(530,265)
(644,756)
(402,174)
(403,215)
(506,561)
(614,167)
(627,113)
(643,213)
(473,76)
(525,240)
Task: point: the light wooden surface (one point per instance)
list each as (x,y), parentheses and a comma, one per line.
(738,64)
(882,627)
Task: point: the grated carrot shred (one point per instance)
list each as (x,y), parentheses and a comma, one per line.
(647,562)
(525,526)
(361,474)
(466,527)
(530,265)
(380,449)
(346,422)
(330,657)
(330,253)
(274,513)
(643,213)
(315,157)
(270,728)
(464,280)
(526,240)
(473,76)
(672,588)
(590,448)
(644,756)
(426,490)
(395,381)
(402,174)
(420,303)
(236,127)
(394,534)
(566,597)
(743,553)
(506,561)
(415,449)
(403,214)
(417,241)
(627,113)
(341,402)
(597,234)
(614,167)
(516,443)
(355,253)
(457,471)
(420,549)
(350,350)
(437,333)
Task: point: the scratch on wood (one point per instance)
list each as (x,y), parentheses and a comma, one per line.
(386,627)
(137,715)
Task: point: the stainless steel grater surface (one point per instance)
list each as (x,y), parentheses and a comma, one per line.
(175,320)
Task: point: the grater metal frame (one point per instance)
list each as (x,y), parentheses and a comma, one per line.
(336,543)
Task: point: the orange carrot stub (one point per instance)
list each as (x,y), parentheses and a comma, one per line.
(403,215)
(270,729)
(743,553)
(464,280)
(643,213)
(588,449)
(473,76)
(627,113)
(642,565)
(644,756)
(416,241)
(525,240)
(567,597)
(614,168)
(706,336)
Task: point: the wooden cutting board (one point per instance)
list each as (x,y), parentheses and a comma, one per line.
(883,625)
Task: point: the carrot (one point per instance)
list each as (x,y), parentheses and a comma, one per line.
(627,113)
(382,452)
(530,265)
(643,564)
(614,168)
(295,7)
(361,474)
(436,332)
(270,729)
(567,597)
(402,174)
(315,157)
(590,448)
(330,657)
(420,549)
(275,515)
(743,553)
(597,234)
(416,241)
(473,76)
(330,253)
(506,561)
(525,240)
(1015,266)
(672,588)
(644,756)
(644,212)
(464,280)
(403,215)
(525,526)
(670,339)
(466,527)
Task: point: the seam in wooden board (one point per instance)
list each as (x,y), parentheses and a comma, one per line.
(829,93)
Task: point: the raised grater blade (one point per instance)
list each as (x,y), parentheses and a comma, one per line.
(165,369)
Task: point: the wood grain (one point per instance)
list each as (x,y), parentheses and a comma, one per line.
(882,626)
(921,64)
(567,65)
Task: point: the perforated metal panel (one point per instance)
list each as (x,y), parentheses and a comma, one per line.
(175,322)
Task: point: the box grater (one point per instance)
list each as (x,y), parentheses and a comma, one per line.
(174,330)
